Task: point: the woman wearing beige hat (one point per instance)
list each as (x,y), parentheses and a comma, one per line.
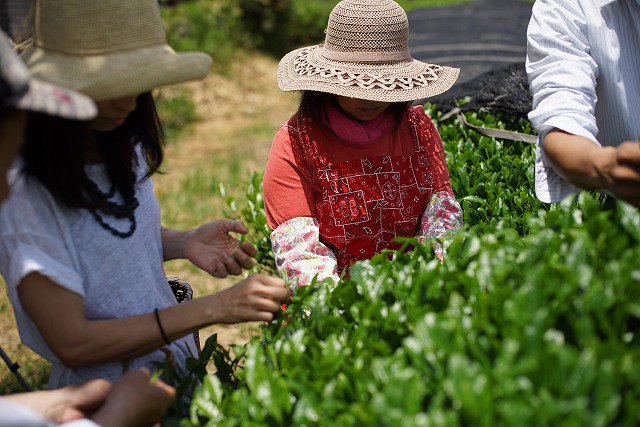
(133,399)
(356,166)
(81,246)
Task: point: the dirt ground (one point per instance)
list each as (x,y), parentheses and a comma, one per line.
(231,108)
(239,112)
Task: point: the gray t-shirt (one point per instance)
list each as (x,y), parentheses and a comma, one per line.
(115,277)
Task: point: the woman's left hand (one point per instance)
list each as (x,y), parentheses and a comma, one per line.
(212,248)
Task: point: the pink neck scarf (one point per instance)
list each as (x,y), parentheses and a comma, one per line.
(355,131)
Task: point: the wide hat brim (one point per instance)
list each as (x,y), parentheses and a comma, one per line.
(46,98)
(18,89)
(119,74)
(396,81)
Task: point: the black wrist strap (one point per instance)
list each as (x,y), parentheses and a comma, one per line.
(164,336)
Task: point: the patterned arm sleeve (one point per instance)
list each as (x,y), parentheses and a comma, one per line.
(299,254)
(443,213)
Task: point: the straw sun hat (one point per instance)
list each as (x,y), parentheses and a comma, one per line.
(365,55)
(107,49)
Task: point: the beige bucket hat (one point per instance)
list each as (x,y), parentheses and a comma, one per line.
(107,49)
(365,55)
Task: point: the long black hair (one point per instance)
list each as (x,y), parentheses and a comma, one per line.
(314,105)
(55,152)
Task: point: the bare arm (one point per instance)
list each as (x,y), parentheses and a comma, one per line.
(173,242)
(77,341)
(589,166)
(576,159)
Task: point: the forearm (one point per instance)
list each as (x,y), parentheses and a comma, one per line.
(302,272)
(131,337)
(173,243)
(577,159)
(443,213)
(61,406)
(300,256)
(60,316)
(97,341)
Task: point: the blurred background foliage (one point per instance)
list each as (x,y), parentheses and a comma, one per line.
(224,27)
(229,29)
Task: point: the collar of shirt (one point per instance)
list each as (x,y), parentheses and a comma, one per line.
(356,131)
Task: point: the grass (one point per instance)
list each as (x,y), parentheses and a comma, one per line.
(222,28)
(198,187)
(32,367)
(176,110)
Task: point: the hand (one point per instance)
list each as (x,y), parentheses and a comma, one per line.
(66,404)
(80,402)
(134,401)
(211,248)
(257,298)
(587,165)
(619,171)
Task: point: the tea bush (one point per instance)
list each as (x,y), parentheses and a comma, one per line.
(532,320)
(493,179)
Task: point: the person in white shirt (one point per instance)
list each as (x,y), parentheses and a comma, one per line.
(583,64)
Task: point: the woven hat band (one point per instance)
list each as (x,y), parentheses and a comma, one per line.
(358,57)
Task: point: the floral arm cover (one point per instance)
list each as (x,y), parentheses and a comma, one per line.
(299,254)
(443,213)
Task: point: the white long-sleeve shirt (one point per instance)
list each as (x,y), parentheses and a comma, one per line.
(583,63)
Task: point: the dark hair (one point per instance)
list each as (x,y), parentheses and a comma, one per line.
(55,153)
(313,105)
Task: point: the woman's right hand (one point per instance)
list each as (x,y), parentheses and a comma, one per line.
(256,298)
(619,171)
(588,165)
(134,401)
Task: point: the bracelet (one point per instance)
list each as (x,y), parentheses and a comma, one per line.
(164,336)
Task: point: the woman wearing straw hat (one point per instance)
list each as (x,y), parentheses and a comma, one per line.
(356,167)
(81,246)
(133,399)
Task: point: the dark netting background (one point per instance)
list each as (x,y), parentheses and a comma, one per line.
(504,89)
(487,40)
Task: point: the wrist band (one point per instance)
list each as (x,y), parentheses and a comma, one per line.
(164,336)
